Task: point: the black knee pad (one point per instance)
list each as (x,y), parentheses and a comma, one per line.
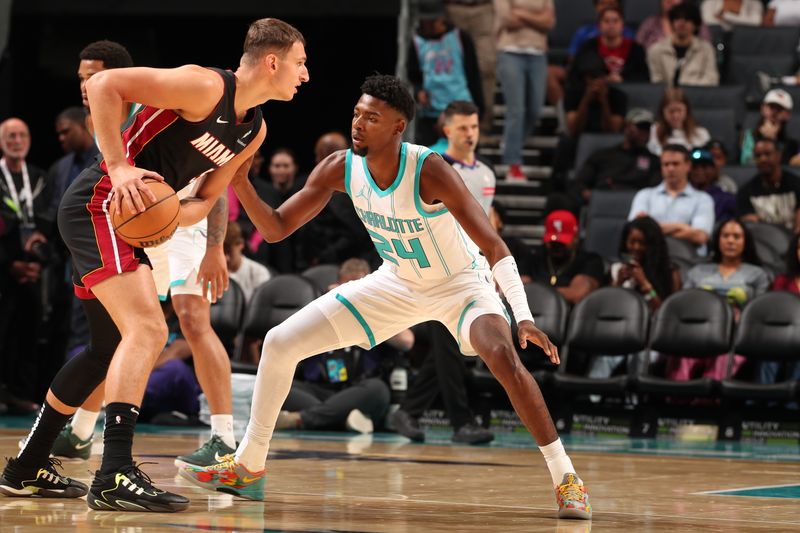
(80,376)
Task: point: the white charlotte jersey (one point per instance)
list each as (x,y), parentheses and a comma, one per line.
(415,240)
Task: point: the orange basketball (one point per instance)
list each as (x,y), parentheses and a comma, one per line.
(155,224)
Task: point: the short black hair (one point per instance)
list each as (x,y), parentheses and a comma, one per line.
(112,54)
(686,11)
(73,114)
(769,140)
(460,107)
(391,90)
(679,148)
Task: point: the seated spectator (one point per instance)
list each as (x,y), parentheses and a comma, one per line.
(789,281)
(720,155)
(339,389)
(624,57)
(629,165)
(562,263)
(705,177)
(248,274)
(519,250)
(655,27)
(682,211)
(773,195)
(776,110)
(591,105)
(734,273)
(442,67)
(683,58)
(675,124)
(730,13)
(782,13)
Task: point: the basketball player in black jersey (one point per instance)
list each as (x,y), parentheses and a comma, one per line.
(194,120)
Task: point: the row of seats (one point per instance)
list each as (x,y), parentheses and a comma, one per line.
(693,323)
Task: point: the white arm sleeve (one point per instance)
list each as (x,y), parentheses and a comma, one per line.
(506,275)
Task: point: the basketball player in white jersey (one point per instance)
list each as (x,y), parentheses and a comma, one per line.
(430,232)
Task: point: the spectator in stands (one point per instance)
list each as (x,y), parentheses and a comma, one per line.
(782,13)
(442,67)
(476,17)
(730,13)
(522,71)
(683,58)
(590,103)
(675,124)
(248,274)
(776,110)
(338,389)
(283,183)
(705,177)
(655,27)
(562,263)
(734,273)
(519,250)
(788,281)
(645,265)
(681,211)
(720,155)
(629,165)
(24,254)
(624,57)
(773,195)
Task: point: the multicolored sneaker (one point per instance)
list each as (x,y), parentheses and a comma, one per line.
(573,498)
(47,483)
(71,446)
(130,489)
(228,476)
(208,454)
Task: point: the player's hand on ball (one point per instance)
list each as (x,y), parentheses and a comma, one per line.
(528,332)
(127,184)
(213,274)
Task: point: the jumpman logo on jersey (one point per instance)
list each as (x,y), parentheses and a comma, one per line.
(362,194)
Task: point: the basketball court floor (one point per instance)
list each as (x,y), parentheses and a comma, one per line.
(384,483)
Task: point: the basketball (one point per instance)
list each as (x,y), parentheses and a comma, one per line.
(155,224)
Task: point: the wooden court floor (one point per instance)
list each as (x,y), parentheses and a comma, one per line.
(326,482)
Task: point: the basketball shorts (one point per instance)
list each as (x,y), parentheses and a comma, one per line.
(85,225)
(177,261)
(368,311)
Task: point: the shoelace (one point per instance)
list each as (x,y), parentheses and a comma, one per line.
(571,492)
(136,475)
(209,444)
(227,461)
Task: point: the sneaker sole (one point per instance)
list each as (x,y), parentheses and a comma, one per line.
(213,488)
(574,514)
(138,506)
(71,493)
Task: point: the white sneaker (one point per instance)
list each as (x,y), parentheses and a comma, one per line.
(359,422)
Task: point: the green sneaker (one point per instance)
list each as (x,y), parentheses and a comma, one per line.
(209,453)
(69,445)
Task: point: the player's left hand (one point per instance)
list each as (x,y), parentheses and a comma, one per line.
(528,332)
(213,273)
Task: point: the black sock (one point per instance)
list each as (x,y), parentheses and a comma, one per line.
(118,436)
(34,455)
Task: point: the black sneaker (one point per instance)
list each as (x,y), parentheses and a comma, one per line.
(473,434)
(46,483)
(130,489)
(407,425)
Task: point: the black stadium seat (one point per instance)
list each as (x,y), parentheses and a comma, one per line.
(606,216)
(323,276)
(275,301)
(227,314)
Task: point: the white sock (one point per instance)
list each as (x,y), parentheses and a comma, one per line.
(222,425)
(83,423)
(308,332)
(557,461)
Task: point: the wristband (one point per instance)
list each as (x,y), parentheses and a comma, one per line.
(506,275)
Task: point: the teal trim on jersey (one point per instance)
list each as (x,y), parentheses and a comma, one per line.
(162,297)
(397,179)
(461,321)
(345,302)
(436,247)
(177,282)
(348,160)
(417,199)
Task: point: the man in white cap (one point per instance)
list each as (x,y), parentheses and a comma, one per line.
(776,110)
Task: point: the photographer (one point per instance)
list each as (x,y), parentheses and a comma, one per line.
(24,252)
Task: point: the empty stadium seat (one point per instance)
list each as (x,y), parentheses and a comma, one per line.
(227,314)
(691,323)
(758,40)
(323,276)
(569,17)
(721,124)
(646,95)
(589,143)
(727,97)
(275,301)
(740,175)
(742,70)
(768,330)
(606,216)
(679,248)
(609,321)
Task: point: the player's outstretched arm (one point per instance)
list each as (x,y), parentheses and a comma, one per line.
(277,224)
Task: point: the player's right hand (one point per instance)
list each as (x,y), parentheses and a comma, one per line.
(128,187)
